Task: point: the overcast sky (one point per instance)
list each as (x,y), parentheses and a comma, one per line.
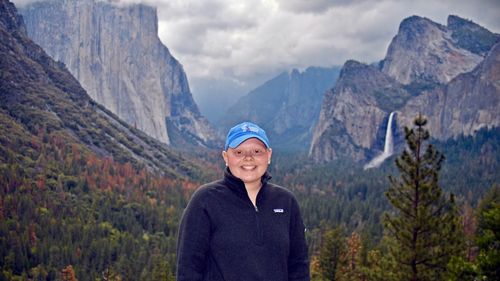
(229,47)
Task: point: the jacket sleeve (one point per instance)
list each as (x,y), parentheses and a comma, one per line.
(298,261)
(193,241)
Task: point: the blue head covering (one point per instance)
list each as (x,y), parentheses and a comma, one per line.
(244,131)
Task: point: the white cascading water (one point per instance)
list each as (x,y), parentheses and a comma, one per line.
(388,146)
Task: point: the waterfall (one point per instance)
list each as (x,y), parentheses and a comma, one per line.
(389,142)
(388,146)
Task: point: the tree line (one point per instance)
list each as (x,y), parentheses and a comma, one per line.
(426,236)
(68,214)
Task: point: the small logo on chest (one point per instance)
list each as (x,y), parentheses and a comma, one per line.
(278,210)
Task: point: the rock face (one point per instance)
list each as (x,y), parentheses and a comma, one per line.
(287,106)
(425,52)
(362,97)
(40,96)
(115,53)
(441,72)
(468,103)
(470,36)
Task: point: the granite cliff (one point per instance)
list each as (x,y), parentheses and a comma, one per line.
(425,52)
(40,98)
(448,73)
(115,53)
(466,104)
(362,97)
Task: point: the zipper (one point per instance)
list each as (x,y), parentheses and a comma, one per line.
(258,227)
(260,232)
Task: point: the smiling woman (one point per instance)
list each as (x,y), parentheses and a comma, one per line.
(242,227)
(247,155)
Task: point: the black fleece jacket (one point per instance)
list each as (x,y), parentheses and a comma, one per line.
(222,235)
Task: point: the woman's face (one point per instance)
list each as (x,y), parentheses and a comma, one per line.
(248,161)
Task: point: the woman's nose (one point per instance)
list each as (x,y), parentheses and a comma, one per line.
(248,156)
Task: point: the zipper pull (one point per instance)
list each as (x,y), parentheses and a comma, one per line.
(256,209)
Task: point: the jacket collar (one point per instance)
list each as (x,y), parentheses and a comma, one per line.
(238,186)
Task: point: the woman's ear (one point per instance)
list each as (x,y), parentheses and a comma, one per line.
(224,156)
(270,153)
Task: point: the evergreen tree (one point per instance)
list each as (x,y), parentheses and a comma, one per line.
(425,225)
(381,265)
(332,248)
(488,235)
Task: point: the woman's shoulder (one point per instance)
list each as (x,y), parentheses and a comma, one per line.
(207,190)
(278,190)
(208,187)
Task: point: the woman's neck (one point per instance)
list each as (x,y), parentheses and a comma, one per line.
(252,190)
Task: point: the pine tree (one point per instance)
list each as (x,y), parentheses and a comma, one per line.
(488,235)
(332,248)
(380,265)
(425,226)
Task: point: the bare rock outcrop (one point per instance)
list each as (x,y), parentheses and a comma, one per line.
(115,53)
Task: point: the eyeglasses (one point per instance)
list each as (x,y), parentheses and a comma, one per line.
(240,153)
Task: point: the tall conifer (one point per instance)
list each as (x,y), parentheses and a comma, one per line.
(488,235)
(332,248)
(425,225)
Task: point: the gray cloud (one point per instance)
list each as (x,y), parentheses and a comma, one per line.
(241,43)
(21,3)
(314,6)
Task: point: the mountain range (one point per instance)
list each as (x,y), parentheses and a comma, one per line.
(287,106)
(447,73)
(114,51)
(40,97)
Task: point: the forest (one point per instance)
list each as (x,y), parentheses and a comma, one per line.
(69,214)
(84,196)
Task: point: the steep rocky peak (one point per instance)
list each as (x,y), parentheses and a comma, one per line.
(414,27)
(10,19)
(470,36)
(423,52)
(113,49)
(428,69)
(352,64)
(361,76)
(454,22)
(352,69)
(39,96)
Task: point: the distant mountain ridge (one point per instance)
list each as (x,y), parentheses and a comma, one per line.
(287,106)
(39,96)
(425,52)
(443,72)
(115,53)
